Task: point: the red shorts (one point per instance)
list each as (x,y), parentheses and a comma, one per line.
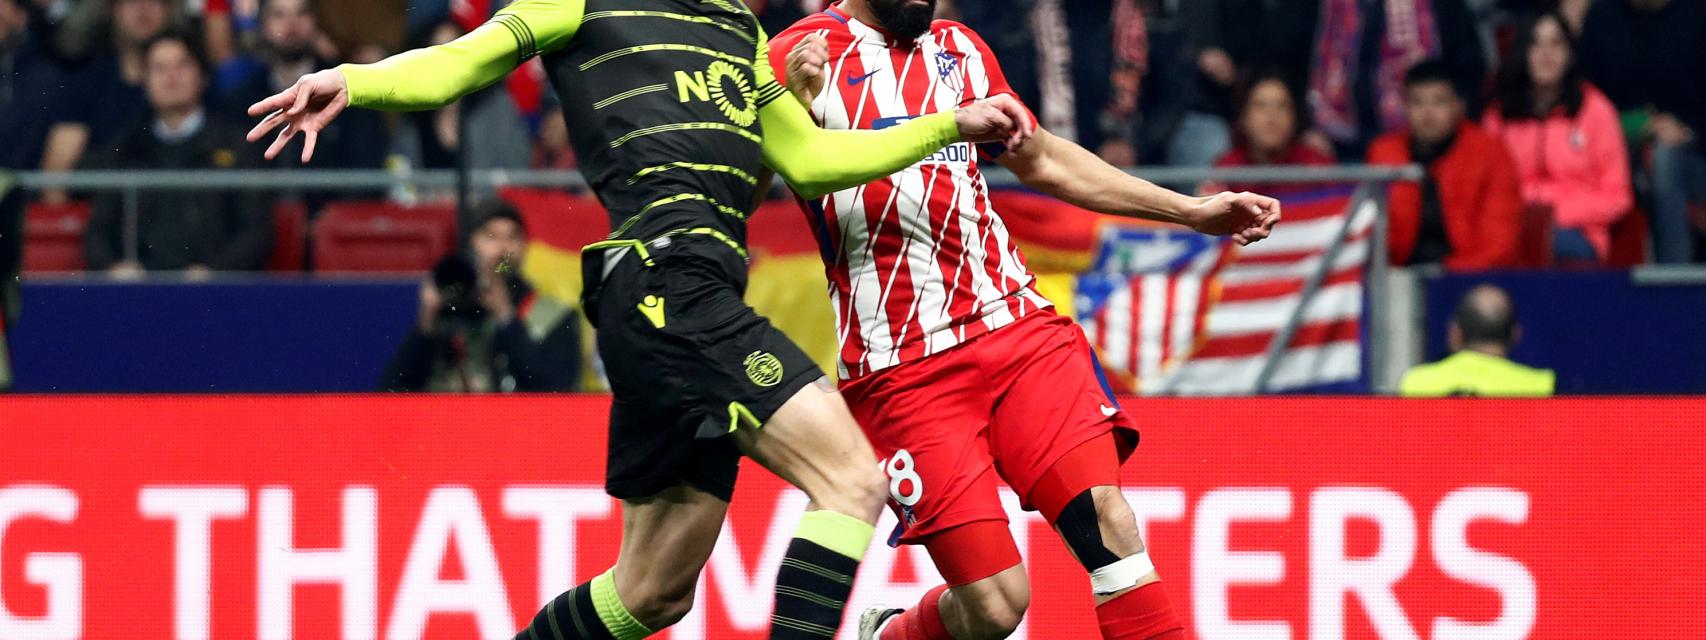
(1010,403)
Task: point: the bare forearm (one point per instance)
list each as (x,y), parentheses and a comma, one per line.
(1066,171)
(1062,169)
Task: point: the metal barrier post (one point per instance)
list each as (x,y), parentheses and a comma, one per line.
(132,225)
(1312,286)
(464,166)
(1379,283)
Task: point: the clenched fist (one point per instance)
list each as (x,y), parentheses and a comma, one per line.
(998,118)
(1246,217)
(808,67)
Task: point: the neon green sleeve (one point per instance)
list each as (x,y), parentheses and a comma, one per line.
(815,161)
(433,77)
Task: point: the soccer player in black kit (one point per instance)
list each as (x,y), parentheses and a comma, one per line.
(675,114)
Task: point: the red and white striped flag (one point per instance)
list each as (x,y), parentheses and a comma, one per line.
(1197,315)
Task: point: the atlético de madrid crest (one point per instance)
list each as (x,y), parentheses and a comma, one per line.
(948,71)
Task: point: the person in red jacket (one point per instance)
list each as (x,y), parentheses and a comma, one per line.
(1467,212)
(1566,139)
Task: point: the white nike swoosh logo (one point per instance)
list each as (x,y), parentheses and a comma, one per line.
(1109,411)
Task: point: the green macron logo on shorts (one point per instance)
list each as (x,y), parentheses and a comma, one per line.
(764,369)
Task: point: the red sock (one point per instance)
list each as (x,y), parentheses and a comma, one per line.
(922,622)
(1143,613)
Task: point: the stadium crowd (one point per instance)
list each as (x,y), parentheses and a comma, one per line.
(1574,121)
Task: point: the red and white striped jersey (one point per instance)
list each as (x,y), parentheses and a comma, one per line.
(918,262)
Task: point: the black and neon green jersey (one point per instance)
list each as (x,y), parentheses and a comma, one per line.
(671,105)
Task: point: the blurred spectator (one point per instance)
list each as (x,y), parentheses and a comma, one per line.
(1005,26)
(218,31)
(43,18)
(351,26)
(1502,16)
(81,28)
(289,31)
(1121,121)
(1565,138)
(552,149)
(527,84)
(1227,40)
(105,99)
(481,327)
(1576,12)
(82,24)
(1267,132)
(1649,56)
(1362,51)
(424,16)
(1481,335)
(29,84)
(286,41)
(1467,212)
(193,231)
(1089,56)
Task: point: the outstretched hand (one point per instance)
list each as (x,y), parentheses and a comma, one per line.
(1247,217)
(307,107)
(998,118)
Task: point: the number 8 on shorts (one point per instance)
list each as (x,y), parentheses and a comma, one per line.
(902,472)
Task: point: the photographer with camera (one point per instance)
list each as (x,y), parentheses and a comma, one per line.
(481,328)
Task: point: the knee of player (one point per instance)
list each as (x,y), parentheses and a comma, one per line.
(1117,523)
(871,485)
(661,601)
(997,614)
(857,490)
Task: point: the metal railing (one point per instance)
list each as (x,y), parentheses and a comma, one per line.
(1371,180)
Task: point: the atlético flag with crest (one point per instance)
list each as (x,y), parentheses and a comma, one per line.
(1171,311)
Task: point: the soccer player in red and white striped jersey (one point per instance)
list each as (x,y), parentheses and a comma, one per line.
(957,368)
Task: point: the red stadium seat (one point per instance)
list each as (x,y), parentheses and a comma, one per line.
(1628,241)
(382,237)
(53,236)
(1535,246)
(290,237)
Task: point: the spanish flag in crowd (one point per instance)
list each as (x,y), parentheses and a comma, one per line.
(787,282)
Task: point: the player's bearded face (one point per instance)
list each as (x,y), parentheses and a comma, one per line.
(904,18)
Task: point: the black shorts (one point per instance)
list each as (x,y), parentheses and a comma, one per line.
(688,362)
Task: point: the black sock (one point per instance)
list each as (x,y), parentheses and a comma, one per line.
(811,591)
(817,575)
(571,616)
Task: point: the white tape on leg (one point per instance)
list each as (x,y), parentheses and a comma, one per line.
(1121,575)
